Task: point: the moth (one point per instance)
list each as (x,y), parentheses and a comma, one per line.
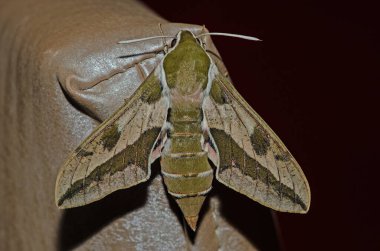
(191,117)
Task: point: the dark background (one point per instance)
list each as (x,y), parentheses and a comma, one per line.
(314,80)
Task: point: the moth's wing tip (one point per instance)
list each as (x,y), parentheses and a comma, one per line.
(60,207)
(292,211)
(302,211)
(60,204)
(305,211)
(66,204)
(307,207)
(58,198)
(308,200)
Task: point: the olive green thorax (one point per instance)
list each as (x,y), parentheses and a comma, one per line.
(186,65)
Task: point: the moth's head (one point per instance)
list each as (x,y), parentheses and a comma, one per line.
(185,37)
(185,48)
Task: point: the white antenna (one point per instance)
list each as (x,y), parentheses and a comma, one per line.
(229,35)
(142,39)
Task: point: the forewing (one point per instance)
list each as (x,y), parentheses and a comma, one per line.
(118,154)
(252,159)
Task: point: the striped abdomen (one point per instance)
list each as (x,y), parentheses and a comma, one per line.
(184,165)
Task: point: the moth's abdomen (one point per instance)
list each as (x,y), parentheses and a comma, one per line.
(185,167)
(187,174)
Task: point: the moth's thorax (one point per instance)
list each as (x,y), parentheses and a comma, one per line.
(186,66)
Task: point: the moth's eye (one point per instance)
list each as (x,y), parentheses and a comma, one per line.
(174,41)
(201,43)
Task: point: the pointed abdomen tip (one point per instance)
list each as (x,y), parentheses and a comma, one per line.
(192,222)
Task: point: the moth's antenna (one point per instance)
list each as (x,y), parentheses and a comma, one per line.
(163,40)
(229,35)
(142,39)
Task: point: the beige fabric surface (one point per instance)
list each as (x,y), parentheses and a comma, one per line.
(60,74)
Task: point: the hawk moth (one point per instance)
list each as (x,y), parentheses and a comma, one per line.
(191,117)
